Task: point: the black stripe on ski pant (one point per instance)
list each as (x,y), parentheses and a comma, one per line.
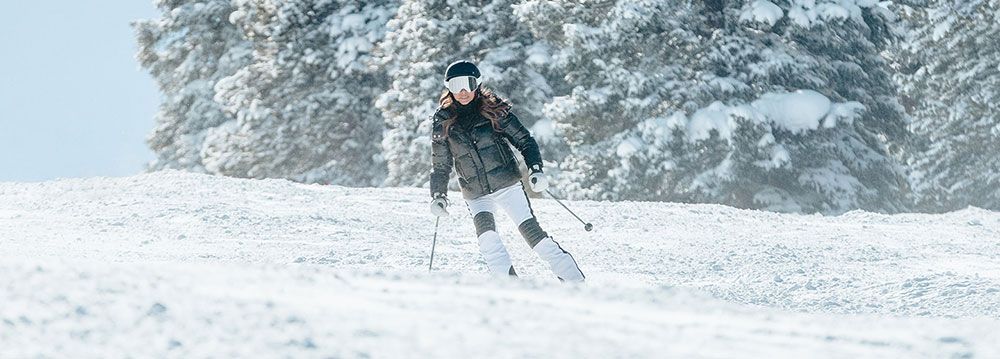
(533,233)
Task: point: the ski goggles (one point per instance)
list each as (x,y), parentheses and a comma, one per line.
(457,84)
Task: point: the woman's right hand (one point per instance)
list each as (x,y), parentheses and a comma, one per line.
(439,206)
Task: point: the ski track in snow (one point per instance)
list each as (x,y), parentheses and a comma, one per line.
(174,264)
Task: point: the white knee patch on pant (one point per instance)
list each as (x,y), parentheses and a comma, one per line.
(561,263)
(497,258)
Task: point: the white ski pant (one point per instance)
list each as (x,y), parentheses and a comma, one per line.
(515,202)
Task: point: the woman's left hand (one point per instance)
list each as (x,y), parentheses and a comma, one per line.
(538,181)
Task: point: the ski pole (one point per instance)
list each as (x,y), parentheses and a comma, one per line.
(434,244)
(586,225)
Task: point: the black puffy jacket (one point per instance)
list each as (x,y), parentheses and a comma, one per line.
(480,155)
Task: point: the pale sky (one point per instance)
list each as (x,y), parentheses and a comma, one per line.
(73,102)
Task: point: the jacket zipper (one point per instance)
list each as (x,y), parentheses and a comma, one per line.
(481,170)
(500,144)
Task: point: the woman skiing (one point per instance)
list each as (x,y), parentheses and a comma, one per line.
(472,129)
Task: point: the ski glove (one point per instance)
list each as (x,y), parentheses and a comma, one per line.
(439,205)
(539,182)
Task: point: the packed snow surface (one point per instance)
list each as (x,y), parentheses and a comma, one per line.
(181,265)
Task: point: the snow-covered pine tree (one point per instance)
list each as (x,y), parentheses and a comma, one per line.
(951,87)
(851,158)
(623,63)
(424,38)
(750,104)
(304,108)
(187,51)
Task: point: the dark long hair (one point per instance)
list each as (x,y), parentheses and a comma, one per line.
(491,106)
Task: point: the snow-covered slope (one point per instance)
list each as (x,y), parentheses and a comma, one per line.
(173,264)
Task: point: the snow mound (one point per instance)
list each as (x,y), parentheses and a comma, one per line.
(762,11)
(798,111)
